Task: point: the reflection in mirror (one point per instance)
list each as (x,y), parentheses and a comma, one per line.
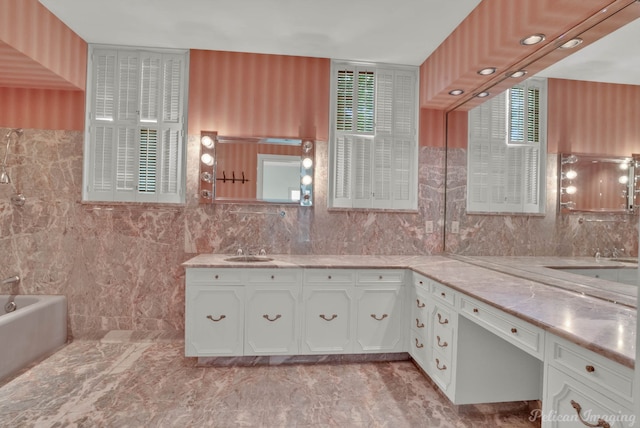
(584,116)
(251,169)
(591,183)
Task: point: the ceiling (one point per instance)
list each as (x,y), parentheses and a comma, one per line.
(397,32)
(613,59)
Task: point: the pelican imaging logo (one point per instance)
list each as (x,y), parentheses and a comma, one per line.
(586,417)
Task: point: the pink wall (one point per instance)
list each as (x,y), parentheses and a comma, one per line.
(591,117)
(247,94)
(39,37)
(42,109)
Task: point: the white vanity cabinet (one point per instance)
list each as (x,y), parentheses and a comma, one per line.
(469,362)
(272,321)
(379,323)
(327,324)
(235,312)
(214,316)
(582,388)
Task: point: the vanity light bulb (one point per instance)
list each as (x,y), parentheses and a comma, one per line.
(624,179)
(624,166)
(207,141)
(307,163)
(571,190)
(571,174)
(306,180)
(207,159)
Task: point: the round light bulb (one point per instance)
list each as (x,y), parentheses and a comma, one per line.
(307,163)
(571,190)
(207,159)
(207,141)
(306,180)
(624,179)
(571,174)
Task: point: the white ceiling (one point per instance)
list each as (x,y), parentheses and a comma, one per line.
(388,31)
(615,58)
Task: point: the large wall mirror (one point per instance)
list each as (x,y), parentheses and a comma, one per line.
(594,105)
(256,170)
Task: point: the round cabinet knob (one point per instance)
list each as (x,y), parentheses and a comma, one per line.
(273,277)
(590,369)
(329,276)
(475,310)
(216,277)
(514,330)
(380,277)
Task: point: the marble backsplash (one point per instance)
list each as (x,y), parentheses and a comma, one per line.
(120,264)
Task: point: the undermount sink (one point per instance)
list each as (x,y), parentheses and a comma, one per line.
(248,259)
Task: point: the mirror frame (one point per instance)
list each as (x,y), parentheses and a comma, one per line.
(208,174)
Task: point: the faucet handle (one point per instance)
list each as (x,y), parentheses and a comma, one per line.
(262,252)
(239,252)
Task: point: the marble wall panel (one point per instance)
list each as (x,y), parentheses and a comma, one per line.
(120,264)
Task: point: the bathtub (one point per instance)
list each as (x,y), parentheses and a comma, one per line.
(34,330)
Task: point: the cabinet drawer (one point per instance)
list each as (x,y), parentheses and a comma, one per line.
(595,371)
(422,281)
(441,370)
(418,347)
(578,406)
(214,276)
(419,311)
(442,332)
(274,276)
(443,293)
(329,276)
(520,333)
(379,276)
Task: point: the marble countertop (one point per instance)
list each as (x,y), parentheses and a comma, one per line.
(522,286)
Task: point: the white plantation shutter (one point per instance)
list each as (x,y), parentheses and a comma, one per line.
(505,149)
(374,137)
(135,134)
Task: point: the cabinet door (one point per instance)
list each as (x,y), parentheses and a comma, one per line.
(442,326)
(379,319)
(214,320)
(327,320)
(271,320)
(569,403)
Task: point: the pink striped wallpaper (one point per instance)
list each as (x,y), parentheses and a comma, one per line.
(245,94)
(41,45)
(432,128)
(42,109)
(591,117)
(490,36)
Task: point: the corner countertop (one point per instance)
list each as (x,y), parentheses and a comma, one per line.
(601,319)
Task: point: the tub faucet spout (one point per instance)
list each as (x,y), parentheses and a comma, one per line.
(11,280)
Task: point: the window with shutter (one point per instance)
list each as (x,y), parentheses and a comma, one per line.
(135,136)
(506,149)
(373,137)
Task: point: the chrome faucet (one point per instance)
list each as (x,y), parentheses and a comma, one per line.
(11,280)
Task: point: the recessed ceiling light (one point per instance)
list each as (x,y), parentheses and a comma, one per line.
(516,74)
(532,39)
(571,43)
(456,92)
(487,71)
(482,94)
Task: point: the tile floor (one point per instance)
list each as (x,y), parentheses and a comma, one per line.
(149,383)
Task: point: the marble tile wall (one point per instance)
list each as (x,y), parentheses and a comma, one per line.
(119,265)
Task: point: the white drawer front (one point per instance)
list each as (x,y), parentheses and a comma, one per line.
(214,276)
(379,276)
(518,332)
(274,276)
(443,293)
(568,403)
(595,371)
(329,276)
